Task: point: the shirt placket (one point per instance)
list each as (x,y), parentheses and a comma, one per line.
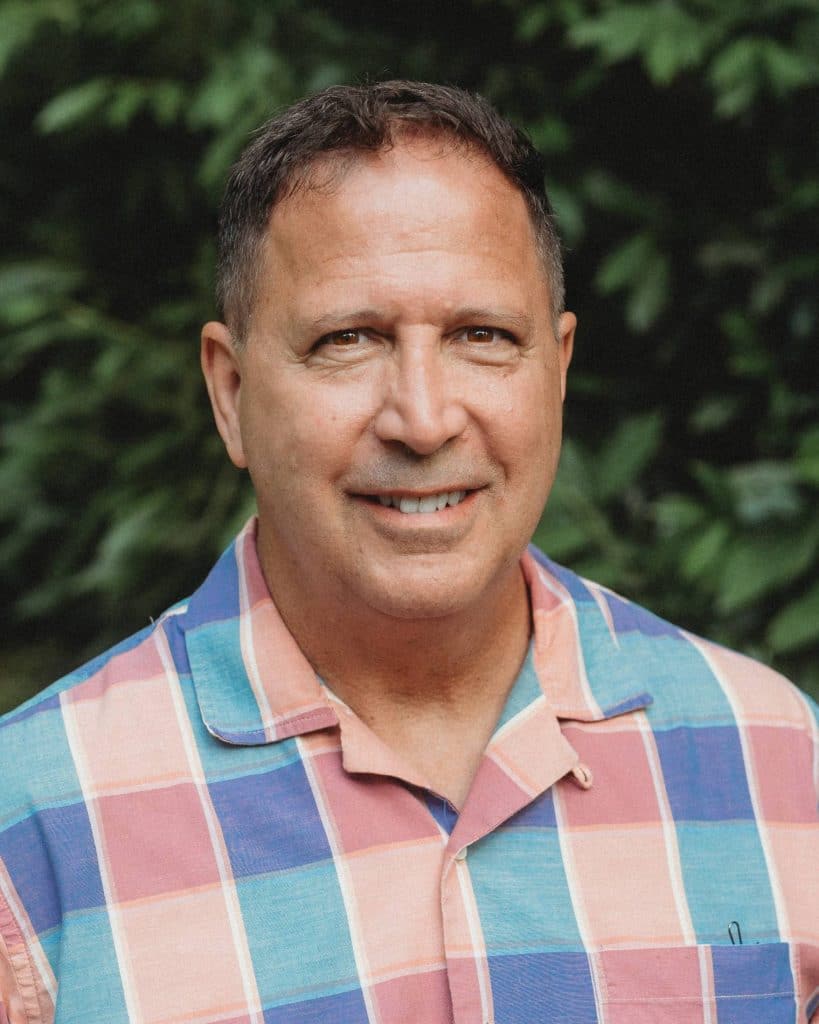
(520,764)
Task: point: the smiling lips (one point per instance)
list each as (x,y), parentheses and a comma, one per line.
(428,503)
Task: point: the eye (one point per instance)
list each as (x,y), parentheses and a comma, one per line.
(345,345)
(348,338)
(480,335)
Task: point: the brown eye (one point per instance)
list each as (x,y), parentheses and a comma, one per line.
(480,334)
(345,338)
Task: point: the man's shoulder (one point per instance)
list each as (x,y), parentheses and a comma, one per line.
(36,762)
(130,650)
(689,676)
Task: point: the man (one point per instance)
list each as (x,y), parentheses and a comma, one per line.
(386,764)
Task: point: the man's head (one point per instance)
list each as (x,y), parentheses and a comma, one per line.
(397,399)
(315,141)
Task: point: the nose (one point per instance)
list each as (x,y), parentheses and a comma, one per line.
(421,407)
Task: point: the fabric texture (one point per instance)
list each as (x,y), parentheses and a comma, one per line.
(193,829)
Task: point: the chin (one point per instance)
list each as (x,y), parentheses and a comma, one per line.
(406,608)
(424,595)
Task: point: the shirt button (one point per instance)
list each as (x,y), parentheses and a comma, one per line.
(461,855)
(583,775)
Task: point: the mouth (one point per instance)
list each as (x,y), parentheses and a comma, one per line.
(425,504)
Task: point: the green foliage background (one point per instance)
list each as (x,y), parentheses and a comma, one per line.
(682,145)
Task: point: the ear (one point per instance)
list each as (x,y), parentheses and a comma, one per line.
(566,326)
(222,368)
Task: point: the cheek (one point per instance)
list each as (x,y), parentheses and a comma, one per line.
(528,425)
(298,437)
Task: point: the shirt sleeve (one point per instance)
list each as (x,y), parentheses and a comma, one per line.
(23,998)
(813,708)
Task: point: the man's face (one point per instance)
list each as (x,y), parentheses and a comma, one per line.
(398,401)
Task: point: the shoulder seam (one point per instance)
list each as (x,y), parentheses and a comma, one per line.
(94,665)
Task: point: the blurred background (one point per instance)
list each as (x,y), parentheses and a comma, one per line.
(681,139)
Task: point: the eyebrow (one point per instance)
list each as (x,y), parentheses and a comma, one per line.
(473,315)
(478,316)
(334,319)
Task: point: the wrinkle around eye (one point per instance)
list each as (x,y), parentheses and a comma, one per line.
(349,344)
(498,346)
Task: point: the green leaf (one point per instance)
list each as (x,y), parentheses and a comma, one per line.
(166,99)
(807,458)
(562,536)
(650,294)
(237,80)
(797,625)
(734,77)
(613,195)
(551,135)
(627,453)
(573,519)
(533,21)
(73,106)
(129,20)
(126,100)
(625,264)
(575,471)
(667,38)
(639,267)
(568,212)
(722,253)
(40,276)
(618,33)
(714,483)
(763,563)
(677,513)
(678,41)
(132,530)
(787,69)
(764,490)
(753,64)
(699,556)
(22,20)
(713,413)
(803,319)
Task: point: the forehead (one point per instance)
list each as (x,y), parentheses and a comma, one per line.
(409,147)
(400,217)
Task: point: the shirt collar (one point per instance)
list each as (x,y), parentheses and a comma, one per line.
(252,681)
(592,649)
(255,686)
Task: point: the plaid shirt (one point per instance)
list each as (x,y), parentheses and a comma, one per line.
(192,829)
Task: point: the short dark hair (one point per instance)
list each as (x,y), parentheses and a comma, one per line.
(345,120)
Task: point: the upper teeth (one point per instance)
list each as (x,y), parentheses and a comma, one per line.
(430,503)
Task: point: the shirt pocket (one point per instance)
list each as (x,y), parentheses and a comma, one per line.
(742,984)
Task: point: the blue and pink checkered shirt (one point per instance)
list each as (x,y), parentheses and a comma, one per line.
(192,829)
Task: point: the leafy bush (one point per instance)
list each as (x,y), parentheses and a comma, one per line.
(684,177)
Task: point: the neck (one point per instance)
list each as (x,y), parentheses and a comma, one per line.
(432,689)
(359,651)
